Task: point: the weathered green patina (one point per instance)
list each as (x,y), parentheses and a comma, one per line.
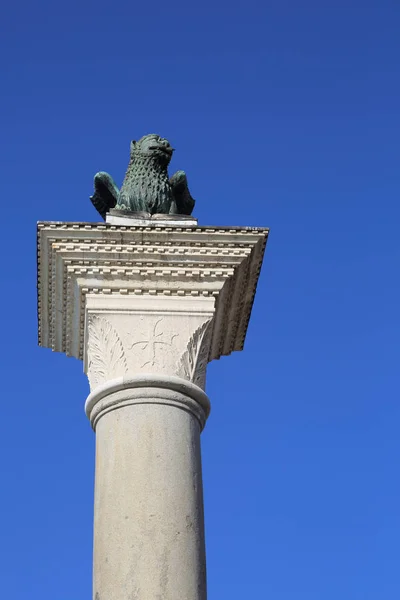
(147,186)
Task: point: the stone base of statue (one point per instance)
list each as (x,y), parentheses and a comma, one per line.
(146,304)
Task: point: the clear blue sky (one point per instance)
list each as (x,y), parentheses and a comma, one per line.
(283,115)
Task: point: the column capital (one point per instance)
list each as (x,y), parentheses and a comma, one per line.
(138,334)
(160,299)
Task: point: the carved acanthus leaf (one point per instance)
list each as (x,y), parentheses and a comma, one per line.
(192,364)
(106,353)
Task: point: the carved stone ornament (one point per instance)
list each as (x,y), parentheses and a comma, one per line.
(106,354)
(153,343)
(147,336)
(193,363)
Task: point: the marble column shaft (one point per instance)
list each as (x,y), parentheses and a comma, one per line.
(148,517)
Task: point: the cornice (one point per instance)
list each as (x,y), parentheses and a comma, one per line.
(76,259)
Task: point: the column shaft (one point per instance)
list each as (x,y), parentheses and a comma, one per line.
(149,523)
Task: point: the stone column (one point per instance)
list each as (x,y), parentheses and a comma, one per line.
(146,307)
(148,518)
